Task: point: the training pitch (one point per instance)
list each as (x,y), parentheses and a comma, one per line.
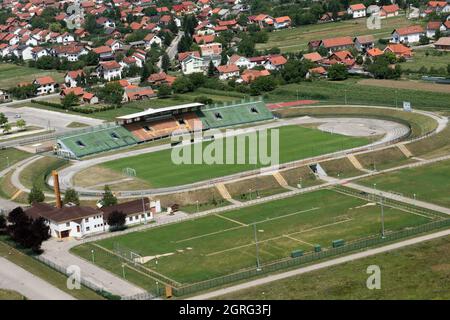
(221,244)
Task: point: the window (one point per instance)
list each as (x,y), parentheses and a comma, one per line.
(114,136)
(254,110)
(147,128)
(67,224)
(88,228)
(181,121)
(218,116)
(80,144)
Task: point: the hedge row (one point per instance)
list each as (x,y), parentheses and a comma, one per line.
(84,109)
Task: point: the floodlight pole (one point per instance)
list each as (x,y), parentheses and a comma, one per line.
(197,205)
(7,162)
(382,217)
(258,265)
(123,270)
(93,258)
(143,208)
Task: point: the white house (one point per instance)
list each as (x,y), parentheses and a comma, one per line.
(241,62)
(70,78)
(151,39)
(357,10)
(409,34)
(70,52)
(65,38)
(109,70)
(192,64)
(39,52)
(45,85)
(275,62)
(79,221)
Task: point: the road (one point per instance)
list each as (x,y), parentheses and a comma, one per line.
(318,266)
(13,277)
(172,50)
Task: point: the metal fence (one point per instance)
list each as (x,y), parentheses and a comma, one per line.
(311,257)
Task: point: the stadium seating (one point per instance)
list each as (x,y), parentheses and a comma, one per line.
(234,114)
(95,141)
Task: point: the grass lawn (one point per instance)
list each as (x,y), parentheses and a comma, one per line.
(295,39)
(334,92)
(428,58)
(37,173)
(11,156)
(10,295)
(220,244)
(295,143)
(430,183)
(11,75)
(44,272)
(420,271)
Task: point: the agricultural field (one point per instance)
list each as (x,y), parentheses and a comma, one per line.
(11,75)
(407,84)
(351,92)
(429,183)
(295,143)
(220,244)
(296,39)
(419,271)
(428,58)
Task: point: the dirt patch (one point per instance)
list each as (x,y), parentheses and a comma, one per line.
(190,197)
(445,267)
(411,85)
(254,184)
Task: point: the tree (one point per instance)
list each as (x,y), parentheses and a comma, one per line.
(172,26)
(2,224)
(165,62)
(437,34)
(338,71)
(71,196)
(423,40)
(112,93)
(39,232)
(145,73)
(70,100)
(36,195)
(116,221)
(108,197)
(3,119)
(164,91)
(211,69)
(7,128)
(262,84)
(448,68)
(182,85)
(295,70)
(21,124)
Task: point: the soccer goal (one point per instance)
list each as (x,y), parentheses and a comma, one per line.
(127,254)
(129,172)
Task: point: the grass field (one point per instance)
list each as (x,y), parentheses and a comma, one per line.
(295,39)
(295,143)
(428,58)
(334,92)
(430,183)
(11,156)
(419,271)
(406,84)
(37,173)
(10,295)
(11,75)
(44,272)
(220,244)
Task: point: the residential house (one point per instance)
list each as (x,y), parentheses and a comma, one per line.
(45,85)
(114,44)
(133,93)
(445,27)
(228,71)
(432,27)
(410,34)
(400,50)
(319,72)
(438,6)
(104,52)
(71,52)
(364,43)
(337,44)
(388,11)
(151,39)
(210,49)
(443,44)
(157,79)
(65,38)
(275,62)
(192,64)
(4,97)
(71,78)
(373,53)
(38,52)
(109,70)
(357,10)
(314,57)
(250,75)
(241,62)
(282,22)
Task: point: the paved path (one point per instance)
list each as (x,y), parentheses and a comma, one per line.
(13,277)
(318,266)
(58,253)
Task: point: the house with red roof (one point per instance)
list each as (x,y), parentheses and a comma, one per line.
(363,43)
(241,62)
(158,79)
(445,26)
(319,72)
(71,78)
(410,34)
(373,53)
(109,70)
(250,75)
(337,44)
(357,10)
(228,71)
(45,85)
(275,62)
(400,50)
(443,44)
(438,6)
(388,11)
(152,39)
(432,27)
(211,49)
(104,52)
(282,22)
(313,57)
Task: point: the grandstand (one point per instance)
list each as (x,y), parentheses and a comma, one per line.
(234,114)
(153,124)
(95,140)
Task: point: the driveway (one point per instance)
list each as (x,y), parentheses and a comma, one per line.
(13,277)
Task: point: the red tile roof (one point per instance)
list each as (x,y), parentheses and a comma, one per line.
(337,42)
(409,30)
(45,80)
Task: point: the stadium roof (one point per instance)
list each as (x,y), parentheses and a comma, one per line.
(151,111)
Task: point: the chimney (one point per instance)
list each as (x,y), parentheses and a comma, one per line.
(56,189)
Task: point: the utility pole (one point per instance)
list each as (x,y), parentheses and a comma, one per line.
(258,265)
(382,217)
(143,208)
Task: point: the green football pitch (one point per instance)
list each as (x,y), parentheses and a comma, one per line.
(295,143)
(429,183)
(221,244)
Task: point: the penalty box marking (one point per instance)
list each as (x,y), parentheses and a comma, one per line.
(243,225)
(277,237)
(232,220)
